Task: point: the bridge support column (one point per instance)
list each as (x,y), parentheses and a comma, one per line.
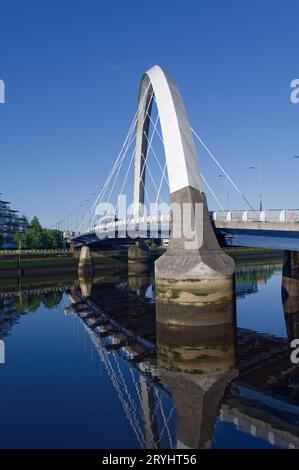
(85,267)
(198,275)
(290,293)
(138,259)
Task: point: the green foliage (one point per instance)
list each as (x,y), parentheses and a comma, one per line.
(19,238)
(38,237)
(175,293)
(51,299)
(51,239)
(29,302)
(32,302)
(151,245)
(25,219)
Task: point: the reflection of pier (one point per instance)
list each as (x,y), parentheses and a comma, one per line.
(262,401)
(188,373)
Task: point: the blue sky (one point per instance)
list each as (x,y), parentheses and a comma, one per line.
(72,70)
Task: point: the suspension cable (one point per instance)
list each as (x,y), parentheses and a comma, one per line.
(222,169)
(120,160)
(212,192)
(126,144)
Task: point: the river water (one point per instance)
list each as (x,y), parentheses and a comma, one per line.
(86,366)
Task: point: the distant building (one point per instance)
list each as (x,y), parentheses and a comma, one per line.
(10,223)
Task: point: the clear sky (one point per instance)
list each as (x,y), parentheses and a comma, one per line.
(72,70)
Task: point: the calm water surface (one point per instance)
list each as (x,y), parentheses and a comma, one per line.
(83,371)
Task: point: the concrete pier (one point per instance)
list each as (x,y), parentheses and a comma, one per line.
(85,266)
(197,275)
(138,258)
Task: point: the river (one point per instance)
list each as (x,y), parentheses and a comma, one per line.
(88,366)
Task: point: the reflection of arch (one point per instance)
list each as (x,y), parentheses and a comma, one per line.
(182,165)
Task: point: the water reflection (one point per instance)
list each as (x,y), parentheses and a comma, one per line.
(196,360)
(290,293)
(184,377)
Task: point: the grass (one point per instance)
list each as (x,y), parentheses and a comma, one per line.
(160,290)
(250,251)
(175,293)
(37,262)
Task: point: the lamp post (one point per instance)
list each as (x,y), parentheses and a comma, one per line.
(221,175)
(259,169)
(19,260)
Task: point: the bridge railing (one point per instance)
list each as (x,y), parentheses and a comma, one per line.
(273,215)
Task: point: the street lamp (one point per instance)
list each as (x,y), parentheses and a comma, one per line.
(221,175)
(259,168)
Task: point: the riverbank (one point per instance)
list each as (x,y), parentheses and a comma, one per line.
(45,262)
(50,262)
(258,255)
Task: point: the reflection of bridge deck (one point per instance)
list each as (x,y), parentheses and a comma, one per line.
(263,401)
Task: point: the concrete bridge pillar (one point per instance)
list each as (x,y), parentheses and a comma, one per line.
(290,293)
(138,258)
(199,274)
(85,266)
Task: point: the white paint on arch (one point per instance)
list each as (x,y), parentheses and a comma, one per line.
(181,160)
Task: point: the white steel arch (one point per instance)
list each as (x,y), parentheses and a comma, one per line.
(181,160)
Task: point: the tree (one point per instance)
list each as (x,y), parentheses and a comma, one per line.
(34,236)
(38,237)
(25,220)
(19,238)
(51,239)
(35,224)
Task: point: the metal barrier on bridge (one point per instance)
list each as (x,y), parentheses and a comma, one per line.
(273,215)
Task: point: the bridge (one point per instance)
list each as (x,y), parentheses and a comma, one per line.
(276,229)
(251,228)
(195,236)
